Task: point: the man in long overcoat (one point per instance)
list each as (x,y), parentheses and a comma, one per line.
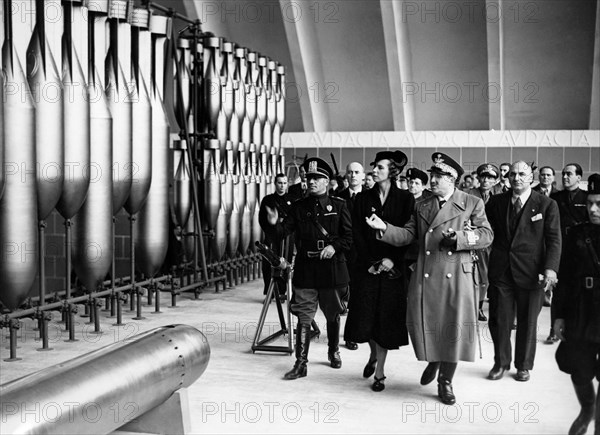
(442,299)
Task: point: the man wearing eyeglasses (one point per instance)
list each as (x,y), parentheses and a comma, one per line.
(523,266)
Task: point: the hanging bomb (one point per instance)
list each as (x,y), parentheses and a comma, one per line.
(152,237)
(46,87)
(18,205)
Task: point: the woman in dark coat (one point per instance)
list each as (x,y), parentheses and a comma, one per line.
(378,314)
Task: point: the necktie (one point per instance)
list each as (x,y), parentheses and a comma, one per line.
(442,202)
(352,195)
(514,216)
(545,191)
(518,205)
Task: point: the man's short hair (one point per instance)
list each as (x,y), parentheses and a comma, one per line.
(280,175)
(548,167)
(578,169)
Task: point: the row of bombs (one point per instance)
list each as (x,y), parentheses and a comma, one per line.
(100,142)
(85,143)
(240,94)
(231,192)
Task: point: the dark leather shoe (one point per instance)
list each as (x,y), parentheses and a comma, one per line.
(369,368)
(445,392)
(430,373)
(496,373)
(481,317)
(351,345)
(378,385)
(335,359)
(522,375)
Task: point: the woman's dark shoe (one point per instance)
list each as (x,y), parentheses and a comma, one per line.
(430,373)
(369,368)
(378,385)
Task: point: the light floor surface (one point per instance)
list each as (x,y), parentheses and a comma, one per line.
(244,392)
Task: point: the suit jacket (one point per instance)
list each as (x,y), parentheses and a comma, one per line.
(538,188)
(571,212)
(535,245)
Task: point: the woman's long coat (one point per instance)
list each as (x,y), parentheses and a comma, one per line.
(442,300)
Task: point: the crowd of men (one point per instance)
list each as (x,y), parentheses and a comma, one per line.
(518,243)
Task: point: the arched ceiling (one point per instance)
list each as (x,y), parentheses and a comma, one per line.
(384,65)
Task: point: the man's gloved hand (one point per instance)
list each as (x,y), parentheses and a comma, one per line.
(449,240)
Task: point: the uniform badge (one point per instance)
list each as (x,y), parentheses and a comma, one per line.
(289,203)
(312,167)
(472,237)
(373,210)
(329,207)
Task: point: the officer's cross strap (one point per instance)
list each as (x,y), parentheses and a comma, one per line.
(590,245)
(319,227)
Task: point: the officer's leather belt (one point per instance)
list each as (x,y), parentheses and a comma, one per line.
(591,282)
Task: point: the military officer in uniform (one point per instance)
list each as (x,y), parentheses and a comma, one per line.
(487,175)
(417,182)
(441,293)
(323,232)
(282,202)
(577,308)
(572,210)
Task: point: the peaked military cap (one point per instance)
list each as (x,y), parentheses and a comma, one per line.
(397,156)
(413,173)
(317,167)
(445,165)
(488,169)
(594,184)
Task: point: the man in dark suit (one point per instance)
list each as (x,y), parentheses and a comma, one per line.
(546,177)
(523,264)
(323,233)
(355,173)
(299,190)
(571,207)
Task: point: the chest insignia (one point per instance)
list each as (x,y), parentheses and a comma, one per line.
(329,207)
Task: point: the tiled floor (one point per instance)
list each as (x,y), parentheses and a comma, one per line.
(242,392)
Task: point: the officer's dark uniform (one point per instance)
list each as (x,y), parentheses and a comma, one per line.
(483,255)
(572,211)
(577,301)
(413,250)
(283,204)
(317,221)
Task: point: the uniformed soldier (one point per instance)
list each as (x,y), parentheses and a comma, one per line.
(282,202)
(323,232)
(417,182)
(577,307)
(572,210)
(488,175)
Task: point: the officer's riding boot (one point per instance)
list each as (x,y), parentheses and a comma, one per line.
(587,399)
(302,345)
(333,337)
(445,391)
